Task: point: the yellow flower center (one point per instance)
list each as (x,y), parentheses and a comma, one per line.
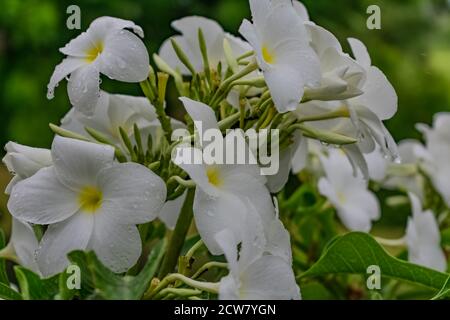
(93,52)
(214,177)
(268,55)
(90,199)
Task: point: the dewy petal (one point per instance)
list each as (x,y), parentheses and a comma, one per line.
(171,211)
(62,70)
(77,163)
(42,199)
(117,246)
(286,87)
(184,158)
(132,193)
(124,57)
(62,238)
(84,88)
(214,214)
(101,27)
(228,243)
(25,244)
(269,278)
(79,47)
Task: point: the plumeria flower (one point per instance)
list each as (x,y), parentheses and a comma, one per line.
(214,38)
(341,76)
(437,152)
(405,175)
(107,47)
(89,203)
(223,191)
(23,245)
(356,206)
(257,274)
(112,111)
(23,161)
(423,238)
(281,44)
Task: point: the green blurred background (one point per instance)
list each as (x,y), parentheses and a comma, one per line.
(412,48)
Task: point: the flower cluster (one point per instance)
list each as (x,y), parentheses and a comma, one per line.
(113,168)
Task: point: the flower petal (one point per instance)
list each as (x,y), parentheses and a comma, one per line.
(62,238)
(269,278)
(214,214)
(84,88)
(25,244)
(42,199)
(117,246)
(124,57)
(171,211)
(62,70)
(77,163)
(132,193)
(101,27)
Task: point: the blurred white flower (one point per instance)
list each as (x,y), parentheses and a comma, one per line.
(356,206)
(214,38)
(264,267)
(89,203)
(223,191)
(281,44)
(23,161)
(106,47)
(423,238)
(436,155)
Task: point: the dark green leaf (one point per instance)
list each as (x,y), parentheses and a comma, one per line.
(7,293)
(3,275)
(33,287)
(355,252)
(104,284)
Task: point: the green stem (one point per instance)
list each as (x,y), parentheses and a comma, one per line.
(178,236)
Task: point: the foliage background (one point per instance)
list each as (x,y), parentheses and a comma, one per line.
(412,49)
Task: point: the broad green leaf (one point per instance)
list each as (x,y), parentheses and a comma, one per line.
(104,284)
(3,275)
(444,292)
(356,251)
(32,287)
(7,293)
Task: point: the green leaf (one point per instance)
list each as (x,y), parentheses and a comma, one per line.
(444,292)
(33,287)
(7,293)
(3,275)
(356,251)
(105,284)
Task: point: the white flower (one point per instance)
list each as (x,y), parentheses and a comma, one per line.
(437,152)
(341,75)
(264,267)
(24,161)
(189,42)
(106,47)
(23,244)
(378,94)
(283,53)
(112,111)
(405,175)
(89,202)
(224,191)
(171,211)
(423,238)
(356,206)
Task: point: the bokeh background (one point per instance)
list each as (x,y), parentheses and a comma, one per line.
(412,48)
